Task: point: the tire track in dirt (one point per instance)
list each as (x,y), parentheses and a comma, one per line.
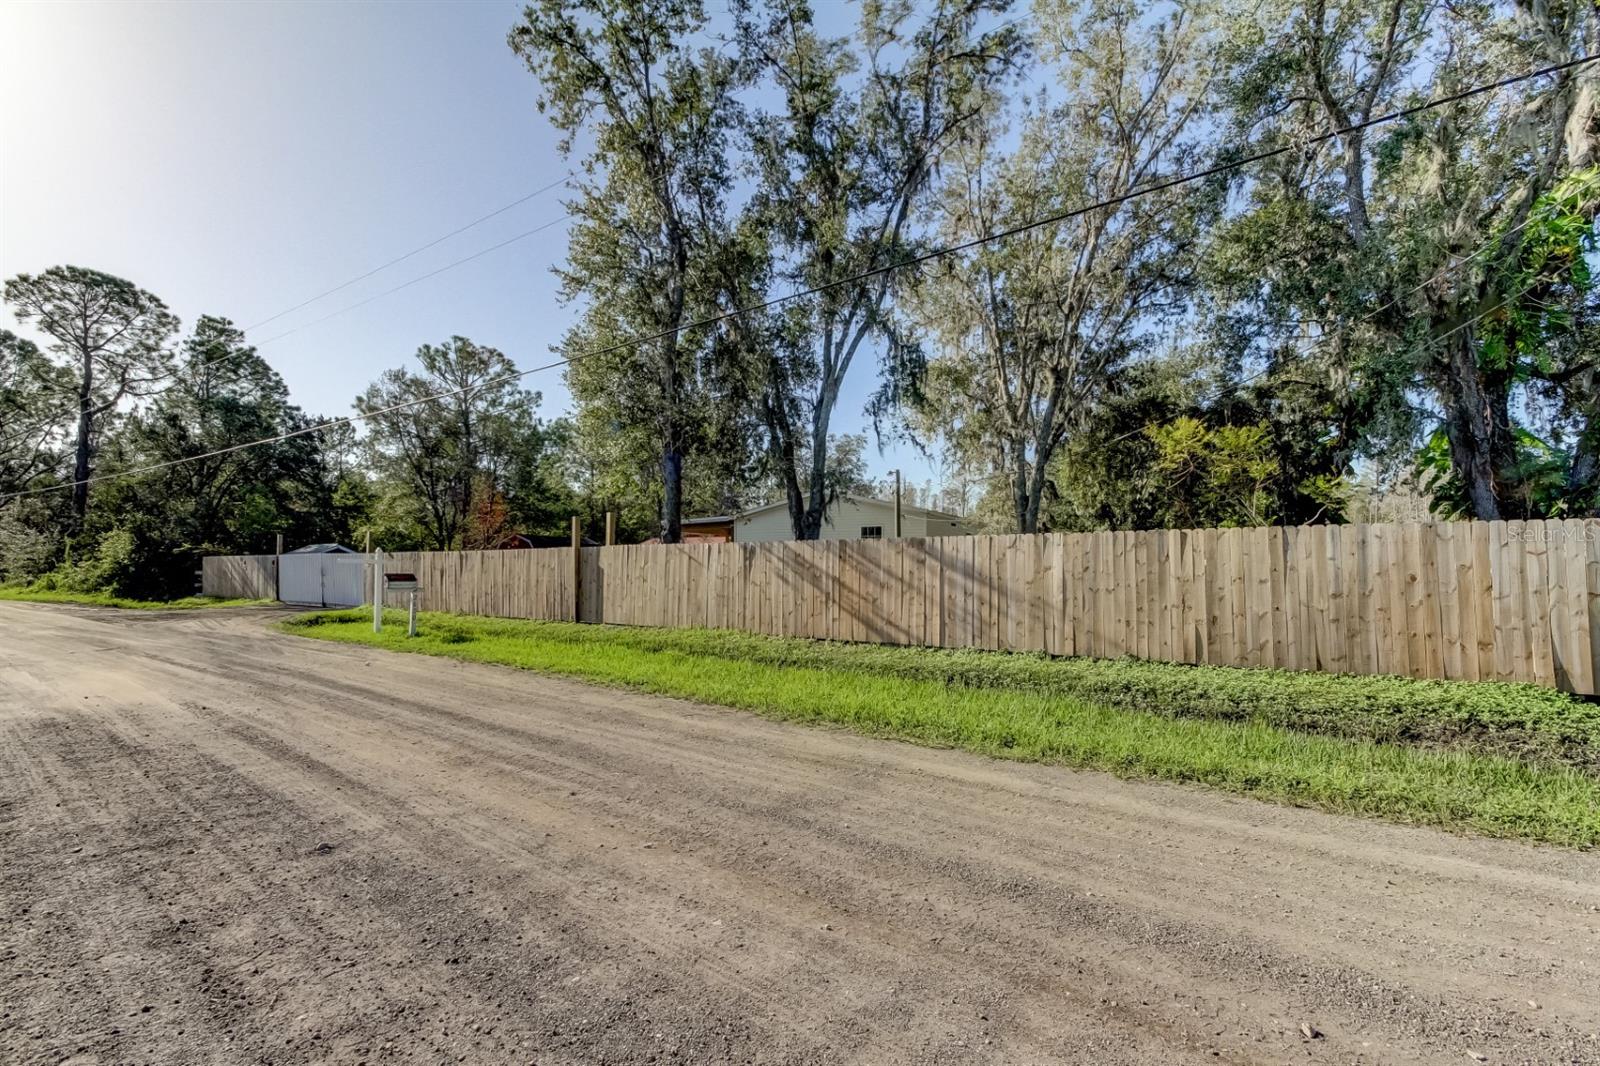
(827,890)
(1363,995)
(633,890)
(305,924)
(982,911)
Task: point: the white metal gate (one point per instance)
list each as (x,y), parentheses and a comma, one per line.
(344,580)
(323,580)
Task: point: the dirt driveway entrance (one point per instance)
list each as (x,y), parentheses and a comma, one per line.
(225,845)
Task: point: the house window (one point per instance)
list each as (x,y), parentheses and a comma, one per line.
(871,532)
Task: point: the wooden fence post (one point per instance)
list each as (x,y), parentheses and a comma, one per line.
(577,569)
(611,528)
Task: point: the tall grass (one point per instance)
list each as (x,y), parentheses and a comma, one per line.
(106,599)
(1527,722)
(1456,789)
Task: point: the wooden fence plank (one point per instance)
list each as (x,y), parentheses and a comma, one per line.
(1591,541)
(1569,636)
(1508,605)
(1537,615)
(1452,625)
(1353,586)
(1262,600)
(1285,553)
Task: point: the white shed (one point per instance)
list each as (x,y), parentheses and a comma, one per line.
(850,518)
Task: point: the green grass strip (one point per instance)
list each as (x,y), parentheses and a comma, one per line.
(1487,793)
(106,599)
(1526,722)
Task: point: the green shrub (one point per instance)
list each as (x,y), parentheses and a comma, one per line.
(107,568)
(27,551)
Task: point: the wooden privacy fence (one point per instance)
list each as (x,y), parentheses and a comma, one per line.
(518,583)
(1510,601)
(253,577)
(1506,601)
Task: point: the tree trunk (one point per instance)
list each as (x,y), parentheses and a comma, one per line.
(1030,516)
(671,438)
(1021,504)
(817,504)
(796,498)
(1470,427)
(671,494)
(1030,479)
(1581,481)
(1355,193)
(80,466)
(780,436)
(1583,476)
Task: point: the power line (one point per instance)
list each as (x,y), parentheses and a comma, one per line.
(1435,339)
(462,229)
(397,260)
(524,235)
(916,260)
(484,218)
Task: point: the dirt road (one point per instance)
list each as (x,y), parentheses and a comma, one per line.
(226,845)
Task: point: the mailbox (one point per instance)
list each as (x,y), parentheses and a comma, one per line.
(396,581)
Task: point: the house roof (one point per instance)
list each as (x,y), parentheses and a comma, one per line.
(905,508)
(322,549)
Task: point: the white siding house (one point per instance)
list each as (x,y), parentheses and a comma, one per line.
(850,518)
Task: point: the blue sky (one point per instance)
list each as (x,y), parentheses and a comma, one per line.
(238,158)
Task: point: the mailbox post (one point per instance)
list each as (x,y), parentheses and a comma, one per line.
(377,591)
(406,583)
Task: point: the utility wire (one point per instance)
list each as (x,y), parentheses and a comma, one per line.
(207,364)
(915,260)
(524,235)
(483,218)
(397,260)
(439,240)
(450,266)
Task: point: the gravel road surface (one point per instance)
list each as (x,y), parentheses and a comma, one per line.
(222,844)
